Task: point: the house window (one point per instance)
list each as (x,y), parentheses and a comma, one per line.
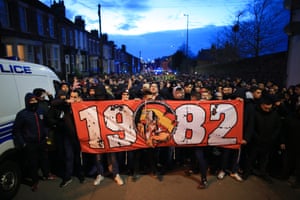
(63,36)
(22,19)
(38,54)
(21,52)
(51,27)
(67,61)
(4,19)
(76,37)
(40,24)
(71,38)
(83,61)
(52,56)
(30,53)
(9,50)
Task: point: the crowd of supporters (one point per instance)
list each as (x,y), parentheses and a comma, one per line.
(270,133)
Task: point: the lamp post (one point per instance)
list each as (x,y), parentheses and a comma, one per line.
(187,35)
(187,41)
(100,69)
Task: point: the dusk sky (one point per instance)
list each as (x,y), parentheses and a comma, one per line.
(136,18)
(132,17)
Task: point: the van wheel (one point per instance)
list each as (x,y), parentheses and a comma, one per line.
(10,179)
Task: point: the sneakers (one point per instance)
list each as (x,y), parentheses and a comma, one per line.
(203,184)
(98,180)
(236,176)
(65,183)
(119,180)
(221,175)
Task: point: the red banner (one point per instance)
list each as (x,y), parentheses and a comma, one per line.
(112,126)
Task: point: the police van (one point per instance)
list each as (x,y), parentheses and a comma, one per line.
(16,79)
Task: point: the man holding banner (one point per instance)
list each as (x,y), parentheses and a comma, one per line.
(188,123)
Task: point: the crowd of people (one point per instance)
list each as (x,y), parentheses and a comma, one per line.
(46,135)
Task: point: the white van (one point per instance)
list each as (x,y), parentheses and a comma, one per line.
(16,79)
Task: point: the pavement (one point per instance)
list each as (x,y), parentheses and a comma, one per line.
(174,186)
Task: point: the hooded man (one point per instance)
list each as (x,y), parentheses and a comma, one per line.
(30,135)
(29,125)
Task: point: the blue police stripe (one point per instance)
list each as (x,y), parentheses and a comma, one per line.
(6,132)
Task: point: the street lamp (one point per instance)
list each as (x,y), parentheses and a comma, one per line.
(187,34)
(100,68)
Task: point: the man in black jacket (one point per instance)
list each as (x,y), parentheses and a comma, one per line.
(30,136)
(61,118)
(266,130)
(292,136)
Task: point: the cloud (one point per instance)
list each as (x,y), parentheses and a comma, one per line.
(133,17)
(155,45)
(126,14)
(126,27)
(131,12)
(130,22)
(127,5)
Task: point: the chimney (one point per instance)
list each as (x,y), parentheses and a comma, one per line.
(80,22)
(94,33)
(59,8)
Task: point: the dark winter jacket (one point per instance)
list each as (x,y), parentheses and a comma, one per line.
(60,117)
(292,130)
(55,115)
(267,127)
(29,125)
(249,113)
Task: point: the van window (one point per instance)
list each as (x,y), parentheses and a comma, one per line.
(26,84)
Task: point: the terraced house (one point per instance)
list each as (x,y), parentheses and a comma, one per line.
(31,31)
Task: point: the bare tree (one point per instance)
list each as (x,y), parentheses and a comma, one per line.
(263,28)
(258,29)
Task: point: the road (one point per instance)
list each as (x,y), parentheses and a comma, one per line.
(174,186)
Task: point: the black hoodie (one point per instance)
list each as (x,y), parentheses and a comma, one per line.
(267,127)
(29,125)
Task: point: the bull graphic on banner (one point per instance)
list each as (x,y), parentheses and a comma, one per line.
(112,126)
